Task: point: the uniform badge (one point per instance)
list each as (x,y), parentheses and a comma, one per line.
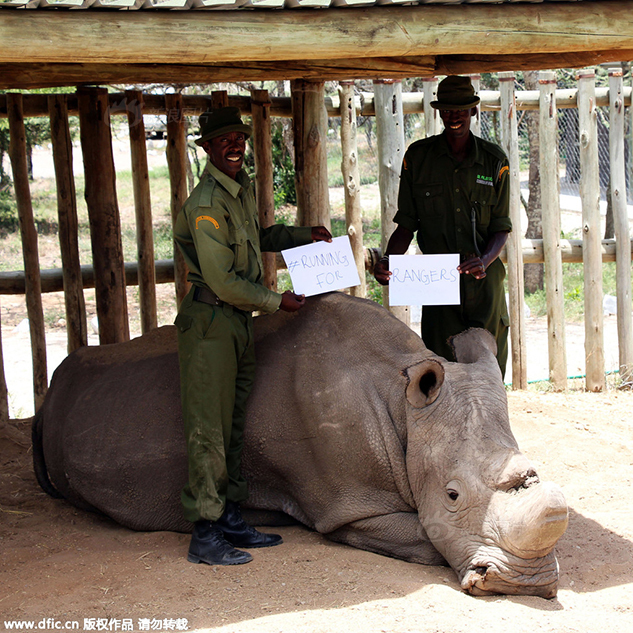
(207,217)
(484,180)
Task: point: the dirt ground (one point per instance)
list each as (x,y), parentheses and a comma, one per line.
(61,563)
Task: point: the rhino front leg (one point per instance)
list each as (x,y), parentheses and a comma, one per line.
(399,535)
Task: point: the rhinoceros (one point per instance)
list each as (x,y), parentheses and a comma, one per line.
(354,429)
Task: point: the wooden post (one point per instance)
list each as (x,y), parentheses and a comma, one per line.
(177,164)
(76,324)
(309,119)
(390,142)
(103,213)
(219,99)
(33,288)
(4,393)
(143,210)
(263,150)
(351,182)
(591,238)
(550,196)
(621,225)
(432,121)
(475,126)
(510,136)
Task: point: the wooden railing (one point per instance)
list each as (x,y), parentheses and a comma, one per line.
(109,274)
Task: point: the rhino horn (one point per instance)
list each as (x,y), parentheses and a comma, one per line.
(474,345)
(531,521)
(425,382)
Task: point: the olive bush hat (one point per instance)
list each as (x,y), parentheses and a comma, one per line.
(215,122)
(455,93)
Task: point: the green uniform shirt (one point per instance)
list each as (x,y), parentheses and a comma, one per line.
(218,233)
(437,195)
(438,199)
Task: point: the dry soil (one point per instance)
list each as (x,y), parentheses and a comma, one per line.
(59,562)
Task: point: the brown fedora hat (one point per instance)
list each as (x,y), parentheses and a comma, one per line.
(215,122)
(455,93)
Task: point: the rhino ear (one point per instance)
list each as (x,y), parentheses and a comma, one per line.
(425,382)
(473,345)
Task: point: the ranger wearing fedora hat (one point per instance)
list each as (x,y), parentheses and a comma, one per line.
(218,233)
(454,194)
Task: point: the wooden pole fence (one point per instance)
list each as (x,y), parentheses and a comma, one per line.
(391,148)
(4,392)
(177,165)
(310,108)
(142,210)
(550,197)
(103,214)
(592,260)
(509,133)
(264,185)
(76,324)
(52,279)
(309,119)
(412,102)
(32,286)
(351,182)
(621,225)
(432,121)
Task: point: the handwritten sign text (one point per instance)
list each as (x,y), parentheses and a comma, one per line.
(424,280)
(322,266)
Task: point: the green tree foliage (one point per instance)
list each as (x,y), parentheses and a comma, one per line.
(283,168)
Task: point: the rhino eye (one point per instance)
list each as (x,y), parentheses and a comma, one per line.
(453,494)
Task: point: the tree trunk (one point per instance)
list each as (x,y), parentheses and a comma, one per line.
(533,273)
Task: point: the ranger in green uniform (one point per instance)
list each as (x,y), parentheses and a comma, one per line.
(219,236)
(454,194)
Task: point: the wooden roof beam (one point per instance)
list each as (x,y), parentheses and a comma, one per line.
(211,37)
(23,76)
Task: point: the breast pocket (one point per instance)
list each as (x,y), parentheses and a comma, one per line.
(484,200)
(238,239)
(429,198)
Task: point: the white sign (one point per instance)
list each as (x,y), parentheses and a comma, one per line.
(322,266)
(425,280)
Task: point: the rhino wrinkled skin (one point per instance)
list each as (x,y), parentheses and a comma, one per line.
(354,429)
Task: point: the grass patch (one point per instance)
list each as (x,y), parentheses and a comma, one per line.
(574,383)
(367,162)
(574,291)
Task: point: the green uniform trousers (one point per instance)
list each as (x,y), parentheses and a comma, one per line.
(483,305)
(217,369)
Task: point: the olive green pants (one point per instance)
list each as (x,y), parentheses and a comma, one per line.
(483,305)
(217,369)
(439,323)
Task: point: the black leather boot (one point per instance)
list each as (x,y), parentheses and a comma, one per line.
(208,545)
(237,532)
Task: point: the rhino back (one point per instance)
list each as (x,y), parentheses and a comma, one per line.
(112,431)
(326,434)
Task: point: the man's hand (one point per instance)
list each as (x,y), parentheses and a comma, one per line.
(321,234)
(381,271)
(290,302)
(476,266)
(473,266)
(398,244)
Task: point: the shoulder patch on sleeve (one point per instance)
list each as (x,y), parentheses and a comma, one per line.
(209,218)
(502,171)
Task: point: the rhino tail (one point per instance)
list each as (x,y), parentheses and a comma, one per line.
(39,463)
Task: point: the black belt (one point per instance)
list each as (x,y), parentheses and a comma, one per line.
(204,295)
